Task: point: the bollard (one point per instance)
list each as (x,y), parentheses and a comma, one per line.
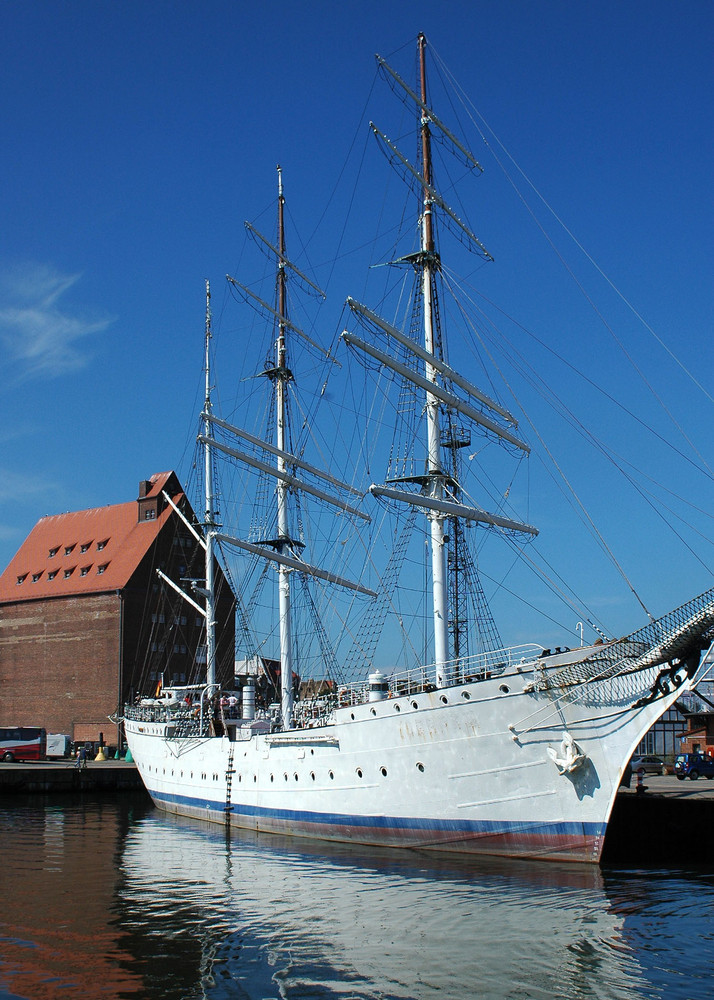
(641,786)
(100,754)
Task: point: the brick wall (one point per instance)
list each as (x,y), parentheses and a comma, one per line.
(59,662)
(700,734)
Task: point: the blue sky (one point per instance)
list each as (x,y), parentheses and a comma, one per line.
(138,136)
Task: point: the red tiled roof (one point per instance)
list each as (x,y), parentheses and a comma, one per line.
(89,551)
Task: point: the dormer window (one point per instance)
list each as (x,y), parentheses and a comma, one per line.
(84,570)
(36,577)
(69,549)
(22,578)
(52,574)
(68,573)
(53,552)
(102,568)
(102,544)
(85,547)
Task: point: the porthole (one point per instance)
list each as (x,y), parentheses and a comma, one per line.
(444,699)
(312,775)
(373,711)
(359,772)
(504,689)
(420,766)
(255,777)
(352,716)
(272,778)
(295,776)
(383,772)
(240,777)
(286,775)
(466,695)
(397,708)
(415,704)
(312,750)
(332,775)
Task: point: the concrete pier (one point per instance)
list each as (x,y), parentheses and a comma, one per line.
(668,824)
(61,776)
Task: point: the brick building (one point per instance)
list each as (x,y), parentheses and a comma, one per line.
(699,735)
(86,624)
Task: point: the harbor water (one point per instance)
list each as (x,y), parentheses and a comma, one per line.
(108,898)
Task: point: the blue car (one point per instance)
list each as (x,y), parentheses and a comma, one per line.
(691,765)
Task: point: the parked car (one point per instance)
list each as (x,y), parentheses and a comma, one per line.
(650,764)
(691,765)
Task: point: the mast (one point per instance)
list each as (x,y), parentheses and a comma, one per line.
(429,262)
(209,515)
(282,549)
(448,396)
(282,376)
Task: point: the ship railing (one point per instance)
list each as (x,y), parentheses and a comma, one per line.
(182,716)
(318,711)
(463,670)
(198,706)
(189,725)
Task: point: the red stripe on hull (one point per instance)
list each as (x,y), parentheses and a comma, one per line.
(516,843)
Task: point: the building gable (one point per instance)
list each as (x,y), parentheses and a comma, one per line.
(90,551)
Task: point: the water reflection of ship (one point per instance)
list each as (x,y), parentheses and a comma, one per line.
(336,920)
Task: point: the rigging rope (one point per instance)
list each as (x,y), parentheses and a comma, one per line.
(473,114)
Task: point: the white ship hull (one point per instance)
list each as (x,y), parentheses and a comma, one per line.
(464,768)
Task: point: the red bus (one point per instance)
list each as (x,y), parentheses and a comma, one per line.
(22,743)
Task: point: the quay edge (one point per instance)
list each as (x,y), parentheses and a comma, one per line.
(56,777)
(667,825)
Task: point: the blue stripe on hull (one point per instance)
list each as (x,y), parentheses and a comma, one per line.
(564,841)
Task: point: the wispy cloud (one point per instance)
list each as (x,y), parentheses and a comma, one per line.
(38,333)
(17,487)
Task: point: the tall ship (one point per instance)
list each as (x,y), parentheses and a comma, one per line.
(476,747)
